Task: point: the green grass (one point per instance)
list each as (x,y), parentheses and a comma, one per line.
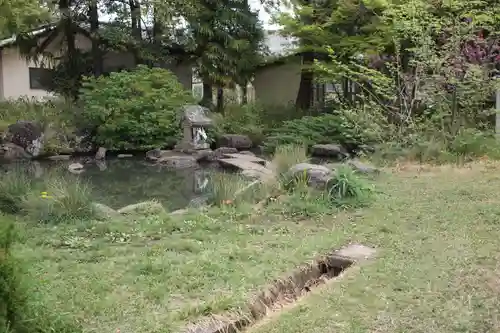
(438,240)
(436,232)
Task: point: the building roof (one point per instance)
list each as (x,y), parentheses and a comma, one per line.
(35,32)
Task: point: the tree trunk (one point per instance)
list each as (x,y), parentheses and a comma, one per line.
(220,99)
(97,67)
(207,99)
(69,37)
(135,18)
(304,96)
(244,94)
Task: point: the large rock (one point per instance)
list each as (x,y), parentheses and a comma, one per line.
(329,150)
(235,141)
(75,168)
(317,176)
(179,162)
(26,134)
(103,211)
(154,154)
(363,167)
(221,151)
(146,207)
(12,152)
(204,155)
(157,154)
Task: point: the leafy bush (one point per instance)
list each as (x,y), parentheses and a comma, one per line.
(64,199)
(240,119)
(136,109)
(19,311)
(342,127)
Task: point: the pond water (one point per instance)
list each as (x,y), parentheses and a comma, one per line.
(120,182)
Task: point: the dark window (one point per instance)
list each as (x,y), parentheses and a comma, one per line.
(40,78)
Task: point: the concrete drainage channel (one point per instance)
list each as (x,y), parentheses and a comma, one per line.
(288,290)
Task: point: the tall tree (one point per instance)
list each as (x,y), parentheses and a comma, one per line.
(344,27)
(22,15)
(227,38)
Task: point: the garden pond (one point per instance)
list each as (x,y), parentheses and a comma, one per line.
(120,182)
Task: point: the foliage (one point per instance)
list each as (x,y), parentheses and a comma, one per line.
(62,200)
(45,112)
(59,119)
(136,109)
(14,186)
(240,119)
(341,127)
(422,71)
(21,15)
(253,119)
(468,144)
(228,54)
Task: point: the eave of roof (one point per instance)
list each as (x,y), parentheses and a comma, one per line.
(35,32)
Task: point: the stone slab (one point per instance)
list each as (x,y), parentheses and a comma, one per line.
(246,157)
(245,164)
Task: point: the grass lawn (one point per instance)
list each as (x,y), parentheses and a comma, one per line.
(436,231)
(438,268)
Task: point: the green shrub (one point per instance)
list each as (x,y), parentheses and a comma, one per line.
(14,186)
(136,109)
(325,128)
(348,189)
(240,119)
(20,312)
(466,145)
(253,119)
(345,189)
(64,199)
(470,143)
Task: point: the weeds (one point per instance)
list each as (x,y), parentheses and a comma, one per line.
(64,199)
(287,156)
(227,188)
(14,186)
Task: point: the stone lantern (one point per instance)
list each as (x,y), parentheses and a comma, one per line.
(194,122)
